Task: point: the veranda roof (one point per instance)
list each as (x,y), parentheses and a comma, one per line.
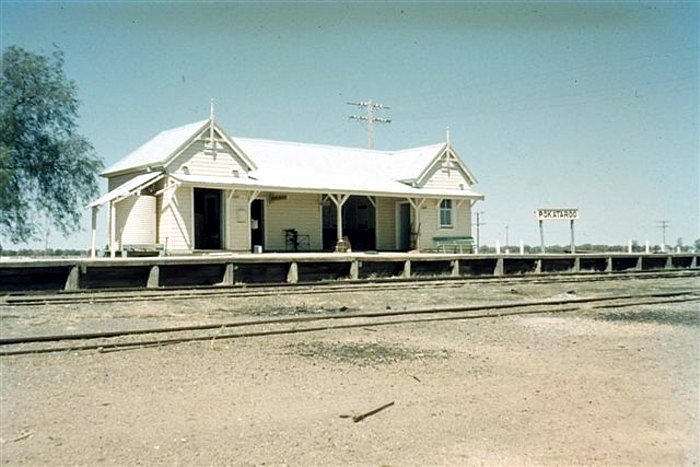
(324,187)
(127,188)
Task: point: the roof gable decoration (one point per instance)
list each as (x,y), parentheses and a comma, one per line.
(448,158)
(212,135)
(162,149)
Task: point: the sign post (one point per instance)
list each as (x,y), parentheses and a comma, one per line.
(541,237)
(573,243)
(557,214)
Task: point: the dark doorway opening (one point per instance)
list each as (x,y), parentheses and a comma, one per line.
(257,223)
(359,224)
(207,219)
(404,226)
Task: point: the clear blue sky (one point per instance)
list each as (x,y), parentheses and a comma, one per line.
(589,105)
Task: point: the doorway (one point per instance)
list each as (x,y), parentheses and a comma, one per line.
(207,219)
(403,226)
(359,224)
(257,224)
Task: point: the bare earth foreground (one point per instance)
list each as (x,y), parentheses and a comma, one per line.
(603,387)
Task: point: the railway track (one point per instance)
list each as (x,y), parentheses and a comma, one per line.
(389,284)
(112,341)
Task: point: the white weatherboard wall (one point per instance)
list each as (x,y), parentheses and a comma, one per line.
(299,211)
(201,161)
(136,220)
(175,216)
(429,221)
(386,223)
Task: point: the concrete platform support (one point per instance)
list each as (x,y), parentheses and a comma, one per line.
(407,269)
(608,264)
(498,270)
(538,266)
(73,279)
(228,278)
(455,268)
(293,273)
(669,262)
(153,281)
(694,263)
(638,267)
(355,270)
(577,265)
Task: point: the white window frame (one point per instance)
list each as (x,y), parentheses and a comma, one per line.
(450,210)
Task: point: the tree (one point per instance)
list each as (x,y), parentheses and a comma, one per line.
(46,167)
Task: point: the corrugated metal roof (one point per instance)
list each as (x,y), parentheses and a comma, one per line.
(158,149)
(318,167)
(283,164)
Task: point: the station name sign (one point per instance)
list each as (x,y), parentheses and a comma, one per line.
(557,214)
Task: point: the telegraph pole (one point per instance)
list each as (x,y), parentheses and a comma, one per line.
(369,118)
(478,224)
(663,225)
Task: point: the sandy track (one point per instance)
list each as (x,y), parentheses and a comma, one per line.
(612,388)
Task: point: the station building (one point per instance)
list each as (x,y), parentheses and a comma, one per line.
(196,189)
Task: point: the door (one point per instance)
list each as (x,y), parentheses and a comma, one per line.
(207,219)
(403,225)
(257,223)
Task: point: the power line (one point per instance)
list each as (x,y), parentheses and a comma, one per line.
(369,118)
(663,225)
(478,224)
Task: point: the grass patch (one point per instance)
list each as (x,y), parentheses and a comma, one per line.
(361,354)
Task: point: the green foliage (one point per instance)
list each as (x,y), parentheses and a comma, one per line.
(46,167)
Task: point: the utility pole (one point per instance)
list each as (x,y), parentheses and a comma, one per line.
(663,225)
(478,224)
(369,118)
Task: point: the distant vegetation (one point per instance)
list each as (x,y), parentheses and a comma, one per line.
(30,253)
(587,248)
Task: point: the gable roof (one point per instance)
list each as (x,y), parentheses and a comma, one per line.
(301,165)
(447,151)
(320,167)
(158,149)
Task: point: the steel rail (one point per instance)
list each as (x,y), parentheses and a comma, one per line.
(244,291)
(371,316)
(362,314)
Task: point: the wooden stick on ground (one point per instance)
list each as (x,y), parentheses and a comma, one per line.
(359,418)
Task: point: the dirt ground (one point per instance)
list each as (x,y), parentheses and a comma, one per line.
(612,387)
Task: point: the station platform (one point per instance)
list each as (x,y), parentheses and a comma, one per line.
(229,269)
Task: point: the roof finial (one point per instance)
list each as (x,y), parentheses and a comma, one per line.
(211,130)
(447,135)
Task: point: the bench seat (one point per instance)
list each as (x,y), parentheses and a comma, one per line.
(453,244)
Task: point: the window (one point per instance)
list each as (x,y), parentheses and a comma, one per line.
(446,213)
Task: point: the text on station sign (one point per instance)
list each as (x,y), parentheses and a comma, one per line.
(557,214)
